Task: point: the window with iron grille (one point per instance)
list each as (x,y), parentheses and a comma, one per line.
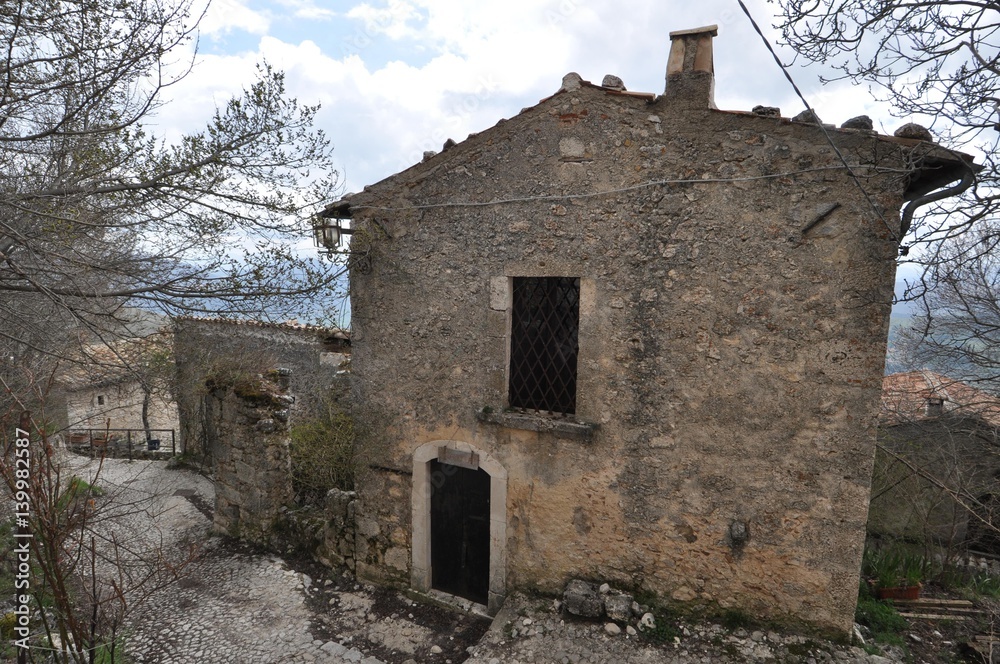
(545,320)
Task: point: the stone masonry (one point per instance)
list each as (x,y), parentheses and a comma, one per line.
(253,470)
(734,295)
(218,349)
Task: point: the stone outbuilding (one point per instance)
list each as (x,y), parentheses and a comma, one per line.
(215,353)
(937,469)
(117,389)
(632,338)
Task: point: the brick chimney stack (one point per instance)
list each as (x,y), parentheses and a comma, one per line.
(690,72)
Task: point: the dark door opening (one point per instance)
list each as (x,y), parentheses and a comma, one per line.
(982,535)
(460,531)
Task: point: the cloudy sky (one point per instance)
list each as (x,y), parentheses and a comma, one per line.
(398,77)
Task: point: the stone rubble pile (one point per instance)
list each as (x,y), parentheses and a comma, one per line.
(526,632)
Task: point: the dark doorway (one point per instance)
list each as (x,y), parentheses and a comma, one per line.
(982,535)
(460,531)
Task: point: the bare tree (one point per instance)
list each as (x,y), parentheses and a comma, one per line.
(96,212)
(937,62)
(94,556)
(958,331)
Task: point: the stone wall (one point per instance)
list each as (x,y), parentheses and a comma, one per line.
(920,468)
(252,469)
(325,532)
(734,302)
(221,351)
(121,409)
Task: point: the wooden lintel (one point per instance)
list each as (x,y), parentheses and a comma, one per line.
(458,458)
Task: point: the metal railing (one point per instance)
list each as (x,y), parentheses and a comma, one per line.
(109,440)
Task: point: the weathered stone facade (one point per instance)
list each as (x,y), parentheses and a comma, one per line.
(117,405)
(220,351)
(734,294)
(109,385)
(937,466)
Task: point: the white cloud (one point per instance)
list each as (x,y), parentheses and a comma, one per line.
(224,16)
(392,21)
(307,9)
(416,72)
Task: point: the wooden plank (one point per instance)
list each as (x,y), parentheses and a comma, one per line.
(458,458)
(933,616)
(932,600)
(944,609)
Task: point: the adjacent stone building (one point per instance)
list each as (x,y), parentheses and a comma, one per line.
(118,386)
(213,354)
(633,338)
(937,470)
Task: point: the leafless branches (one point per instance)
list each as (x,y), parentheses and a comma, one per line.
(96,213)
(936,62)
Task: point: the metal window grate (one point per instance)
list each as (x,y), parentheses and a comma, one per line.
(545,320)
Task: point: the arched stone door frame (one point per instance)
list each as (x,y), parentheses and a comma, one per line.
(420,574)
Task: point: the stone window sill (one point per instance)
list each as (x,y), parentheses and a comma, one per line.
(565,428)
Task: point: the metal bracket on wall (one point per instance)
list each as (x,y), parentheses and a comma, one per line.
(824,213)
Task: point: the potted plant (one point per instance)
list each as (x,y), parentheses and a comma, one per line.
(897,576)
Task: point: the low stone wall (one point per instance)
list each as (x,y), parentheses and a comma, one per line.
(325,534)
(254,497)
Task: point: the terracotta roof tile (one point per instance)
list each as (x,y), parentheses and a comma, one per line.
(905,397)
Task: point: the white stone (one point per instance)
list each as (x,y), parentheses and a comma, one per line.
(571,146)
(612,629)
(333,648)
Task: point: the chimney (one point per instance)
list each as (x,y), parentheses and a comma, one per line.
(690,73)
(934,407)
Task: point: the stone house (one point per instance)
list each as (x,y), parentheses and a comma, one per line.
(218,352)
(109,385)
(629,337)
(938,464)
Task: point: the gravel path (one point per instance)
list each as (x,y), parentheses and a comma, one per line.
(225,607)
(230,604)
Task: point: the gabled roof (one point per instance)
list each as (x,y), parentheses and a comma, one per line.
(293,325)
(112,363)
(934,165)
(905,398)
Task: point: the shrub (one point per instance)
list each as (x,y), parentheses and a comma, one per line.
(881,618)
(322,452)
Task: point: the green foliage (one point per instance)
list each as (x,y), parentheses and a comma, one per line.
(322,453)
(983,585)
(971,585)
(111,653)
(664,630)
(733,619)
(881,618)
(78,489)
(892,567)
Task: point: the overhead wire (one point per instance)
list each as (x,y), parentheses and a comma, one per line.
(593,194)
(829,139)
